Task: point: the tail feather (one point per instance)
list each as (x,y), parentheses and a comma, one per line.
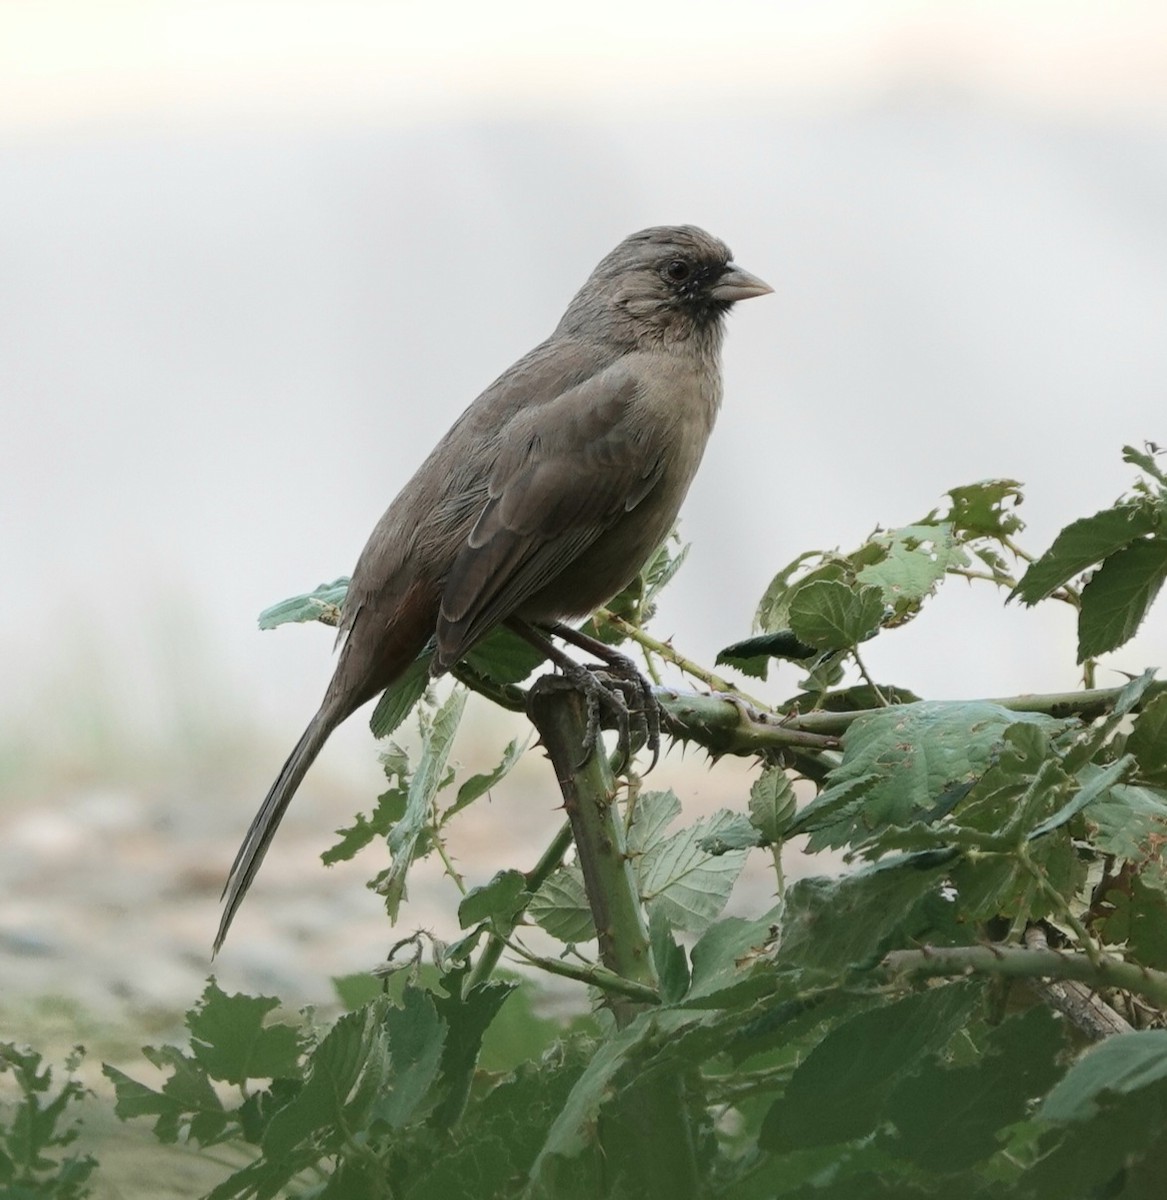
(267,820)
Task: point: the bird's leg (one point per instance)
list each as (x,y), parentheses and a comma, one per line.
(624,692)
(622,668)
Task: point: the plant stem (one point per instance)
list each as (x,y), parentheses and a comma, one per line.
(1014,962)
(589,793)
(668,652)
(592,974)
(646,1132)
(549,861)
(1086,704)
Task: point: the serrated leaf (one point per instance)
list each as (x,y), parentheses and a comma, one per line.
(1131,823)
(560,907)
(830,615)
(737,834)
(985,509)
(1097,784)
(467,1018)
(838,1091)
(1121,1065)
(323,603)
(479,785)
(1145,459)
(728,951)
(504,657)
(774,608)
(672,968)
(653,813)
(898,762)
(399,699)
(689,885)
(497,901)
(1116,598)
(1137,920)
(833,925)
(406,835)
(417,1037)
(914,560)
(751,655)
(187,1102)
(231,1039)
(772,804)
(355,837)
(948,1118)
(1082,544)
(660,569)
(354,1049)
(1148,740)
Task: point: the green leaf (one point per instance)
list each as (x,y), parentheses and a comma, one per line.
(772,804)
(838,1091)
(774,609)
(1121,1065)
(689,885)
(560,907)
(574,1127)
(187,1102)
(500,1137)
(504,657)
(1098,784)
(727,952)
(672,968)
(1131,823)
(230,1037)
(752,654)
(358,989)
(737,834)
(653,813)
(986,509)
(498,901)
(406,835)
(914,560)
(949,1118)
(332,1100)
(417,1037)
(34,1124)
(390,809)
(479,785)
(399,699)
(1148,740)
(1137,920)
(835,925)
(467,1019)
(1146,460)
(323,603)
(1118,595)
(660,569)
(1082,544)
(898,763)
(831,616)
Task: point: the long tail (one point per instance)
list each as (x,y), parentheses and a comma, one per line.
(271,812)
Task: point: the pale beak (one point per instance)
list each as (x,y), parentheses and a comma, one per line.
(736,284)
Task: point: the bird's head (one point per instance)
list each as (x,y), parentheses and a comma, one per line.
(662,284)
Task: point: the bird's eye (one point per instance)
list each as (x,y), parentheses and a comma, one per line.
(678,270)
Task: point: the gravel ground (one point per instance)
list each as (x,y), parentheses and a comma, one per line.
(109,899)
(109,891)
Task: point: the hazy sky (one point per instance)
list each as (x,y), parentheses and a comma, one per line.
(70,60)
(255,257)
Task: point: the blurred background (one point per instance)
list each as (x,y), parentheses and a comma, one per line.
(255,257)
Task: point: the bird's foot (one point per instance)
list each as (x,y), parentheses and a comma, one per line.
(619,692)
(617,689)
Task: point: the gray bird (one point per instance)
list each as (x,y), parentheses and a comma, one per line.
(547,495)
